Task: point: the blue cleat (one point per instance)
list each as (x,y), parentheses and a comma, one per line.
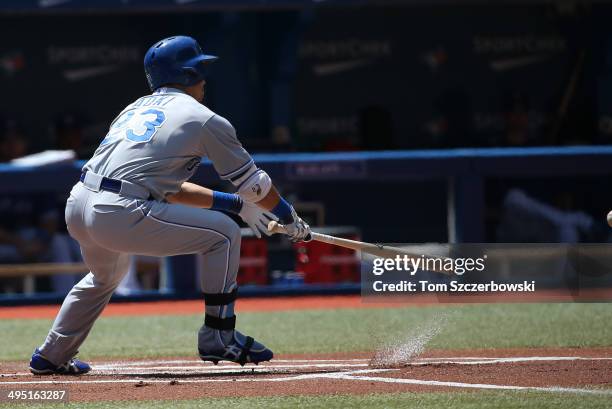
(241,350)
(41,366)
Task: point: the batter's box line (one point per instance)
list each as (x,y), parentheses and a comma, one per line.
(227,367)
(84,380)
(193,361)
(553,389)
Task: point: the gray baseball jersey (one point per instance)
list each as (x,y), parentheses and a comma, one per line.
(157,143)
(159,140)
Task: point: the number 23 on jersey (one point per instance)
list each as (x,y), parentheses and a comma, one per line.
(139,125)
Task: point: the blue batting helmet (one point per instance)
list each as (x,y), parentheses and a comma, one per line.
(175,60)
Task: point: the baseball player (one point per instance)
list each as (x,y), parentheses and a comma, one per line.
(133,198)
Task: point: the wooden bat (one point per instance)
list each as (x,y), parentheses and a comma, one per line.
(369,248)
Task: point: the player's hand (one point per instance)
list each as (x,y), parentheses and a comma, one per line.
(257,218)
(299,230)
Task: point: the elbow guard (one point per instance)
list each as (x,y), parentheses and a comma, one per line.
(254,185)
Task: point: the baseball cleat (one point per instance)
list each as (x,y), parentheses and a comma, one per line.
(241,350)
(41,366)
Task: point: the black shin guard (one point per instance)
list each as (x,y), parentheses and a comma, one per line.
(220,300)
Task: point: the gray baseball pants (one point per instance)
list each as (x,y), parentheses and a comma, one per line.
(109,227)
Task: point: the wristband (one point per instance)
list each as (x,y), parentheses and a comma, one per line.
(227,202)
(283,211)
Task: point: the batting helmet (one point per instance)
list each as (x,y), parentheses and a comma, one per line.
(175,60)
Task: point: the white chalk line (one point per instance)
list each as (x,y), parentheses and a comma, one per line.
(192,361)
(166,381)
(487,361)
(345,375)
(225,367)
(204,370)
(312,362)
(520,358)
(207,369)
(470,385)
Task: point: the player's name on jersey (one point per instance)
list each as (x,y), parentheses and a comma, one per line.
(153,100)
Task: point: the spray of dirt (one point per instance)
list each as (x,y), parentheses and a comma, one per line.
(401,351)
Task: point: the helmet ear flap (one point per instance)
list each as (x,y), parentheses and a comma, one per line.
(193,76)
(191,71)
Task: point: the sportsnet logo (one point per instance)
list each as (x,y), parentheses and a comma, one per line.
(85,62)
(338,56)
(516,51)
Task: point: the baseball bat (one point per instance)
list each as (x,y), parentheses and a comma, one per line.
(369,248)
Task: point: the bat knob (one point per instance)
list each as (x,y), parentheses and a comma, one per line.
(272,226)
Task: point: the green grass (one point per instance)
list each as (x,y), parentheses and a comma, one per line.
(460,400)
(321,331)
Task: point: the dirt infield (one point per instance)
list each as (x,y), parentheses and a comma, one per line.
(576,371)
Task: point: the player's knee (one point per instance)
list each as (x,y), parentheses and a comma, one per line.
(232,236)
(233,232)
(227,233)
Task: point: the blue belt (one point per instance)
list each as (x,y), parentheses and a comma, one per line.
(112,185)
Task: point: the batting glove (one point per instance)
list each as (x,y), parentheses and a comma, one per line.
(257,218)
(298,230)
